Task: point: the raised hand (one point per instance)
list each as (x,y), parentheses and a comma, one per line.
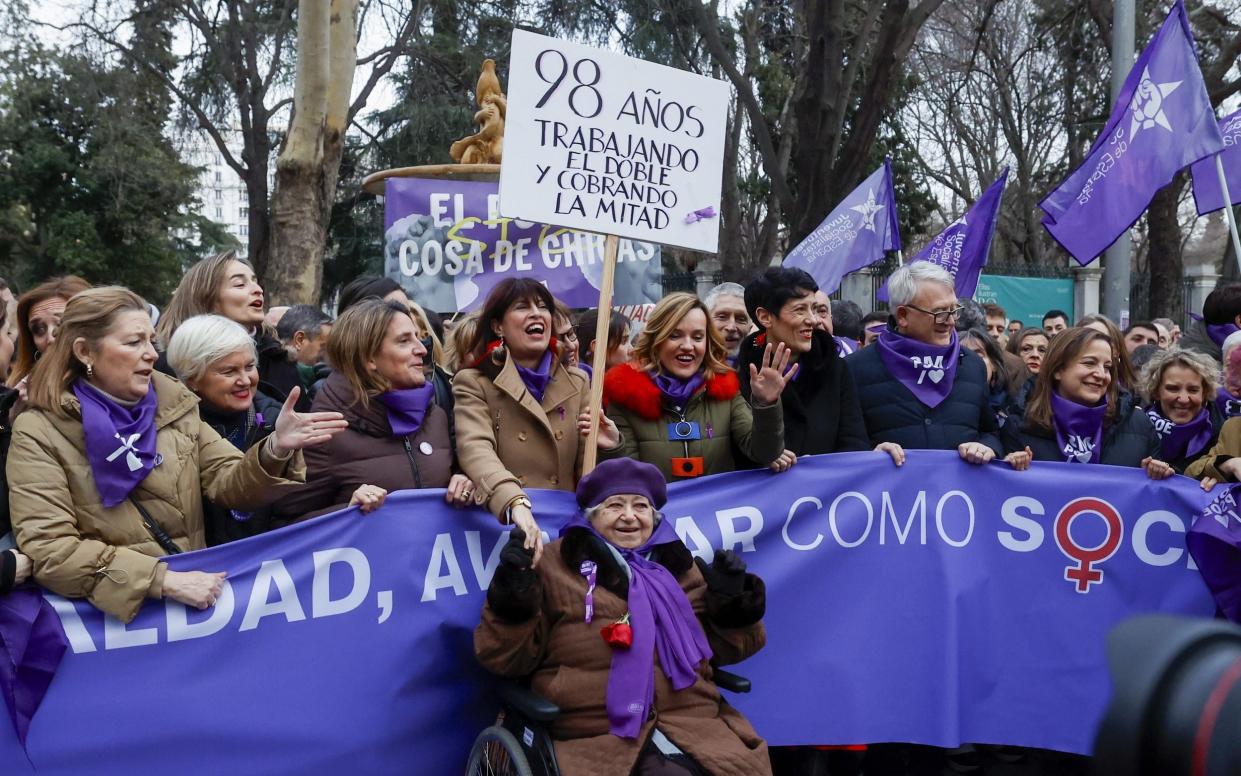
(609,434)
(768,383)
(295,430)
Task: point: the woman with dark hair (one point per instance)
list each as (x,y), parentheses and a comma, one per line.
(38,316)
(1077,413)
(521,414)
(999,380)
(1125,370)
(1030,345)
(619,348)
(368,287)
(226,285)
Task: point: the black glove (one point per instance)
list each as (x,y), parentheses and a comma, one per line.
(726,574)
(515,554)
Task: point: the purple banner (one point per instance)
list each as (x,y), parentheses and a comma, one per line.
(1208,194)
(446,244)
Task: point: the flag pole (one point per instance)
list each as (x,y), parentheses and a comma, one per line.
(900,258)
(1228,212)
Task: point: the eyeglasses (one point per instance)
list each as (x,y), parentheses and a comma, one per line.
(941,317)
(568,335)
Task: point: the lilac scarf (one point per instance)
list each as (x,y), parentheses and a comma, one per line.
(1229,405)
(677,392)
(536,379)
(663,621)
(928,371)
(1218,332)
(1079,429)
(407,408)
(120,441)
(1177,441)
(31,646)
(844,346)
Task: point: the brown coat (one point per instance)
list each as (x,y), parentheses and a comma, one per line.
(506,441)
(1227,446)
(569,664)
(367,453)
(81,549)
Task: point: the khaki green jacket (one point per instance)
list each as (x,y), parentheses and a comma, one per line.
(79,548)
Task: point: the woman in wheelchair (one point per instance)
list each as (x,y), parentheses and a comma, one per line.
(616,627)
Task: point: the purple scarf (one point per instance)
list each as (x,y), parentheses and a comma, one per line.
(663,621)
(1214,541)
(928,371)
(1229,405)
(1079,429)
(1218,332)
(536,379)
(677,392)
(31,646)
(1177,441)
(120,441)
(407,408)
(844,346)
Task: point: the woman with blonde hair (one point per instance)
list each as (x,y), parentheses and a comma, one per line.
(108,468)
(38,315)
(399,437)
(1180,386)
(678,405)
(226,285)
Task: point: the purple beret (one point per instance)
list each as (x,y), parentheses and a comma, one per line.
(622,476)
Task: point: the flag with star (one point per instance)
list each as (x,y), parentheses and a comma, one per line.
(1208,194)
(1162,122)
(854,235)
(963,246)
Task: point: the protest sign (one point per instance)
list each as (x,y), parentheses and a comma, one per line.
(936,603)
(599,141)
(447,245)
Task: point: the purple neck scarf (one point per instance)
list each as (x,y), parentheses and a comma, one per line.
(1183,440)
(1079,429)
(120,441)
(407,408)
(677,392)
(844,346)
(536,379)
(1229,405)
(928,371)
(663,621)
(1218,332)
(31,646)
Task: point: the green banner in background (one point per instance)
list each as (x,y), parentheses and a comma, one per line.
(1026,299)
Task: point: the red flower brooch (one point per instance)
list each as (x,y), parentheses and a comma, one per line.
(618,635)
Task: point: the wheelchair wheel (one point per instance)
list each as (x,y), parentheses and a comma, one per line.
(496,752)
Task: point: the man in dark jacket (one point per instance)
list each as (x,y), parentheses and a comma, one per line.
(917,386)
(1221,316)
(821,410)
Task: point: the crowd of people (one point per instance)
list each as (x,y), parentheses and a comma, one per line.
(132,435)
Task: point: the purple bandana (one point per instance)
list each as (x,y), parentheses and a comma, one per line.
(120,441)
(926,370)
(1079,429)
(663,621)
(1229,405)
(536,379)
(677,392)
(1183,440)
(844,346)
(1214,541)
(407,408)
(31,646)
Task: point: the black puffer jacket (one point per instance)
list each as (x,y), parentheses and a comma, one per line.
(821,409)
(1125,442)
(278,371)
(244,430)
(893,414)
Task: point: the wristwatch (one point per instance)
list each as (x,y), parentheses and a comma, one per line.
(523,501)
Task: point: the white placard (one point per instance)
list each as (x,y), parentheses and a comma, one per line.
(605,143)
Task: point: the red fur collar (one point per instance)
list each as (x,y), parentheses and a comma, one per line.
(635,390)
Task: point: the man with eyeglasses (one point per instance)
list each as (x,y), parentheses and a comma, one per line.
(918,387)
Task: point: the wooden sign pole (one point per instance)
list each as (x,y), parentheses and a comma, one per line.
(600,362)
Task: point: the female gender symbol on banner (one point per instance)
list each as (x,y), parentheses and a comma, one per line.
(1083,573)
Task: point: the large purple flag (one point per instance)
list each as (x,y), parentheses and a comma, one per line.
(1207,192)
(1162,121)
(854,235)
(962,247)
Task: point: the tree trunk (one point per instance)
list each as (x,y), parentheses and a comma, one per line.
(1164,257)
(309,164)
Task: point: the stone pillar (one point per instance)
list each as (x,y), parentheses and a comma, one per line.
(704,276)
(857,287)
(1200,280)
(1086,291)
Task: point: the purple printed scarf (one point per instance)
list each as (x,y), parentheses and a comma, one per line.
(928,371)
(536,379)
(1079,429)
(120,441)
(1177,441)
(1229,405)
(663,621)
(407,408)
(677,392)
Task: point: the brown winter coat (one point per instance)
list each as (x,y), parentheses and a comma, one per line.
(368,454)
(1227,446)
(506,441)
(569,664)
(81,549)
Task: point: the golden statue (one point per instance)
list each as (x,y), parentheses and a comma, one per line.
(487,145)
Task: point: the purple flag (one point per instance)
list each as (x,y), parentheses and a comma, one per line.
(1214,541)
(1207,192)
(854,235)
(962,248)
(1162,121)
(31,646)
